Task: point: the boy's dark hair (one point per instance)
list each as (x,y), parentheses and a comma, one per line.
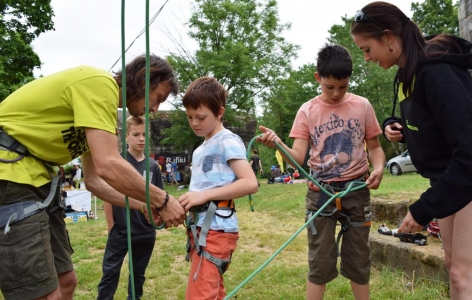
(334,61)
(255,151)
(205,91)
(160,71)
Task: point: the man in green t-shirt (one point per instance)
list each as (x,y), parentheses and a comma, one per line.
(53,120)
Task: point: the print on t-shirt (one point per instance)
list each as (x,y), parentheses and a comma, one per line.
(337,147)
(76,139)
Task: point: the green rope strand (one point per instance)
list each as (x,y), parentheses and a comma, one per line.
(146,150)
(123,139)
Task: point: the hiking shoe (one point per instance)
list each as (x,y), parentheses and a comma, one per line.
(383,229)
(416,238)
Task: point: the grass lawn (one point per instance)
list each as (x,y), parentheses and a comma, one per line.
(279,213)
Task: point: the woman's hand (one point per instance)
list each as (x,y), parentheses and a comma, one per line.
(409,225)
(393,132)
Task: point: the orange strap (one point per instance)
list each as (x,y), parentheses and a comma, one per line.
(226,203)
(339,207)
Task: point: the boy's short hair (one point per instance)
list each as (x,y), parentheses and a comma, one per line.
(255,151)
(334,61)
(205,91)
(130,121)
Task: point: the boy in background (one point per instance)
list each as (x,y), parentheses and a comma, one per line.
(335,125)
(168,171)
(220,173)
(256,164)
(143,234)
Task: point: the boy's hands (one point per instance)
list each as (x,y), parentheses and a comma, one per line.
(373,182)
(190,199)
(268,137)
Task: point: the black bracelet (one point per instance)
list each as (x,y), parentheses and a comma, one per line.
(164,204)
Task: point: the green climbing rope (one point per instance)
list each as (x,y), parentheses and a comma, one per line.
(123,135)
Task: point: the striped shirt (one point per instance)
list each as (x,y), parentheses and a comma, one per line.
(210,169)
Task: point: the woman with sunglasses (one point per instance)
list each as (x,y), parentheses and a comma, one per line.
(434,88)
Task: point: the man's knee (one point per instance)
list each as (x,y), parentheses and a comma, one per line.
(54,295)
(68,282)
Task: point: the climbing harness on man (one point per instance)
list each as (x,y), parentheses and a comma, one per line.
(15,212)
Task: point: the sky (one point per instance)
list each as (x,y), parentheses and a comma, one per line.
(88,32)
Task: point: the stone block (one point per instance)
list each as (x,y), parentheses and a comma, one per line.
(389,211)
(414,260)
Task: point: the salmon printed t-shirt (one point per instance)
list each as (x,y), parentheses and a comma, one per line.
(49,116)
(337,133)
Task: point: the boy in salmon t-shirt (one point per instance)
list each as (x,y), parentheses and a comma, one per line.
(335,125)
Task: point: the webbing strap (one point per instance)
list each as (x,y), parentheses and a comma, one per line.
(200,241)
(206,224)
(34,207)
(344,226)
(221,264)
(11,144)
(322,214)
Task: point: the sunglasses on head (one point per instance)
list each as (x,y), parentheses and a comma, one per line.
(360,16)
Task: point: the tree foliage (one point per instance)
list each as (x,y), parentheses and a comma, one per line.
(20,22)
(240,44)
(282,104)
(436,16)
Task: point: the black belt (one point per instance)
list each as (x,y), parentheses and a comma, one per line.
(340,185)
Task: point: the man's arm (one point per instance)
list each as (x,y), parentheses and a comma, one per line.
(110,177)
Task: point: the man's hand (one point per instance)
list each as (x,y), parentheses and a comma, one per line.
(173,214)
(155,216)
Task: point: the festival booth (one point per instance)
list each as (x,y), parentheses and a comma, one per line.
(80,202)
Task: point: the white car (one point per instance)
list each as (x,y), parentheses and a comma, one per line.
(401,164)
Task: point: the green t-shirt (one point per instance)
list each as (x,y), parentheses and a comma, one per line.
(49,115)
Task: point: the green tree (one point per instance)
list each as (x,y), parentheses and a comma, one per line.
(240,44)
(282,103)
(20,22)
(436,16)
